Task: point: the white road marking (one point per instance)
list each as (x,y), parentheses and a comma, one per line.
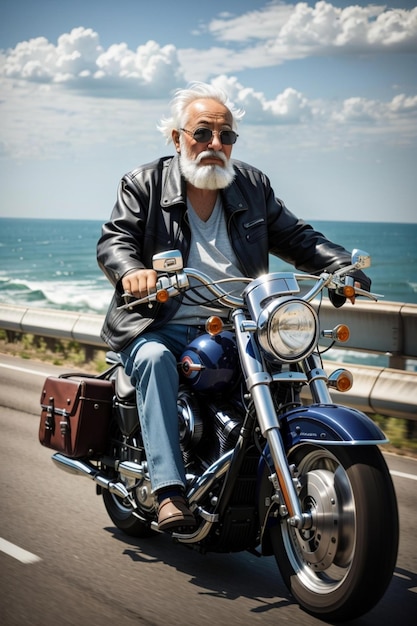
(24,369)
(18,553)
(403,475)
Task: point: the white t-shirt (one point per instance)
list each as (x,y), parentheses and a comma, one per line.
(210,252)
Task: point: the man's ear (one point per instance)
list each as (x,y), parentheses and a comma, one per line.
(176,139)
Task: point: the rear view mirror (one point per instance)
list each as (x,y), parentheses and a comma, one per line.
(169,261)
(360,259)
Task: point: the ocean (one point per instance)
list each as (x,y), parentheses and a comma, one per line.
(52,264)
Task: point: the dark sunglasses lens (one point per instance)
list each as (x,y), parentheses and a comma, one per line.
(228,137)
(202,135)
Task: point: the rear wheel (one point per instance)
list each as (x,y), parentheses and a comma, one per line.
(121,511)
(121,514)
(340,567)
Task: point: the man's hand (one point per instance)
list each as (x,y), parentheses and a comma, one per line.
(362,281)
(139,283)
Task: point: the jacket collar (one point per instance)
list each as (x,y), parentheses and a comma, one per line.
(174,189)
(173,184)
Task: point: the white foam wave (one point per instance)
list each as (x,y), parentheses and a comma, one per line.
(82,295)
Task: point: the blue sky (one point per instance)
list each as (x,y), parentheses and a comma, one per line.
(329,90)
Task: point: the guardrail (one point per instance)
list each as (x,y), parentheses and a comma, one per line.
(388,328)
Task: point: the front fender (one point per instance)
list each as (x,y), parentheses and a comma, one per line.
(319,424)
(329,424)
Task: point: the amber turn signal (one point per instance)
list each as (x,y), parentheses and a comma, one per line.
(341,380)
(349,291)
(162,296)
(214,325)
(342,333)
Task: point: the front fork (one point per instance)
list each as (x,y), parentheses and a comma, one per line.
(257,382)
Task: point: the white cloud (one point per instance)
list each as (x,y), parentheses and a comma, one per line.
(263,38)
(288,107)
(260,24)
(44,115)
(44,120)
(399,113)
(291,107)
(403,104)
(280,33)
(320,26)
(78,61)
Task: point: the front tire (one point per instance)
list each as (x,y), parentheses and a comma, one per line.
(340,568)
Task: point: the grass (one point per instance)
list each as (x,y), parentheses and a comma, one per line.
(66,353)
(402,433)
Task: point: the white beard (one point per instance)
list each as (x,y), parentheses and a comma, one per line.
(206,176)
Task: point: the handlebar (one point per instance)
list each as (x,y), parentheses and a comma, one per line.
(169,286)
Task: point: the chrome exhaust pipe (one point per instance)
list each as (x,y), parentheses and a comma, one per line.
(81,468)
(129,469)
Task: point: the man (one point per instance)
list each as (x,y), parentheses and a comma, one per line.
(225,219)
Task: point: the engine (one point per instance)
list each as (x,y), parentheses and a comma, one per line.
(208,428)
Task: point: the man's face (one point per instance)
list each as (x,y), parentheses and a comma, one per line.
(205,165)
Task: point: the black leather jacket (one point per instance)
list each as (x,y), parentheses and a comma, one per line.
(150,215)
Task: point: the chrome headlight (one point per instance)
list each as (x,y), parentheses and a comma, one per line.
(288,329)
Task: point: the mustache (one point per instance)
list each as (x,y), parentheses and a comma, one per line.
(210,154)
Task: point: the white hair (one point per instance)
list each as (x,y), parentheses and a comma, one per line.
(184,97)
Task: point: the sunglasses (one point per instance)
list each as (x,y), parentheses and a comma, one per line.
(204,135)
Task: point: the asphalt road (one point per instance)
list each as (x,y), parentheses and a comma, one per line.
(63,562)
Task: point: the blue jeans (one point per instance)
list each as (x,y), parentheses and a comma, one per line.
(151,362)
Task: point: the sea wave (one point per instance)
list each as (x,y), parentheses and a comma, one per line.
(83,295)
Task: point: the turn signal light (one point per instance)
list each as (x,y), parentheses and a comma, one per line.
(162,296)
(341,380)
(342,333)
(349,291)
(339,333)
(214,325)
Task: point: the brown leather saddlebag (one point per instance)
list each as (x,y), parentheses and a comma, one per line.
(75,414)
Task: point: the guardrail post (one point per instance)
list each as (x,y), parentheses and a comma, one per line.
(396,362)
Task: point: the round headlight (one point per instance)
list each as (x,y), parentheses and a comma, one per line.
(288,330)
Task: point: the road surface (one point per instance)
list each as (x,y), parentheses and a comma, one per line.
(63,562)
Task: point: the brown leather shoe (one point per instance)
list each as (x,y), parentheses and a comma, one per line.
(173,513)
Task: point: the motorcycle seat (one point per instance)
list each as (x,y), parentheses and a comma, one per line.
(123,387)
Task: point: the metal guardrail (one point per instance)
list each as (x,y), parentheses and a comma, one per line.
(56,324)
(388,328)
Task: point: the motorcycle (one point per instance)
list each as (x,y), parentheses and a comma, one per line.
(268,470)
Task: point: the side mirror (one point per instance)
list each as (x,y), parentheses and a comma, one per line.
(360,259)
(169,261)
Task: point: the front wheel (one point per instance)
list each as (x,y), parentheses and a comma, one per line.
(340,567)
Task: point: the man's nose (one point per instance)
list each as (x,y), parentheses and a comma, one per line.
(215,140)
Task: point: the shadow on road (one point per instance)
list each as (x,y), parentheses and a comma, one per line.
(231,576)
(228,576)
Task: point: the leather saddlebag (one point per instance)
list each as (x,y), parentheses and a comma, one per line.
(75,414)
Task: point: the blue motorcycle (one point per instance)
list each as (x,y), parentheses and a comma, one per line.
(268,469)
